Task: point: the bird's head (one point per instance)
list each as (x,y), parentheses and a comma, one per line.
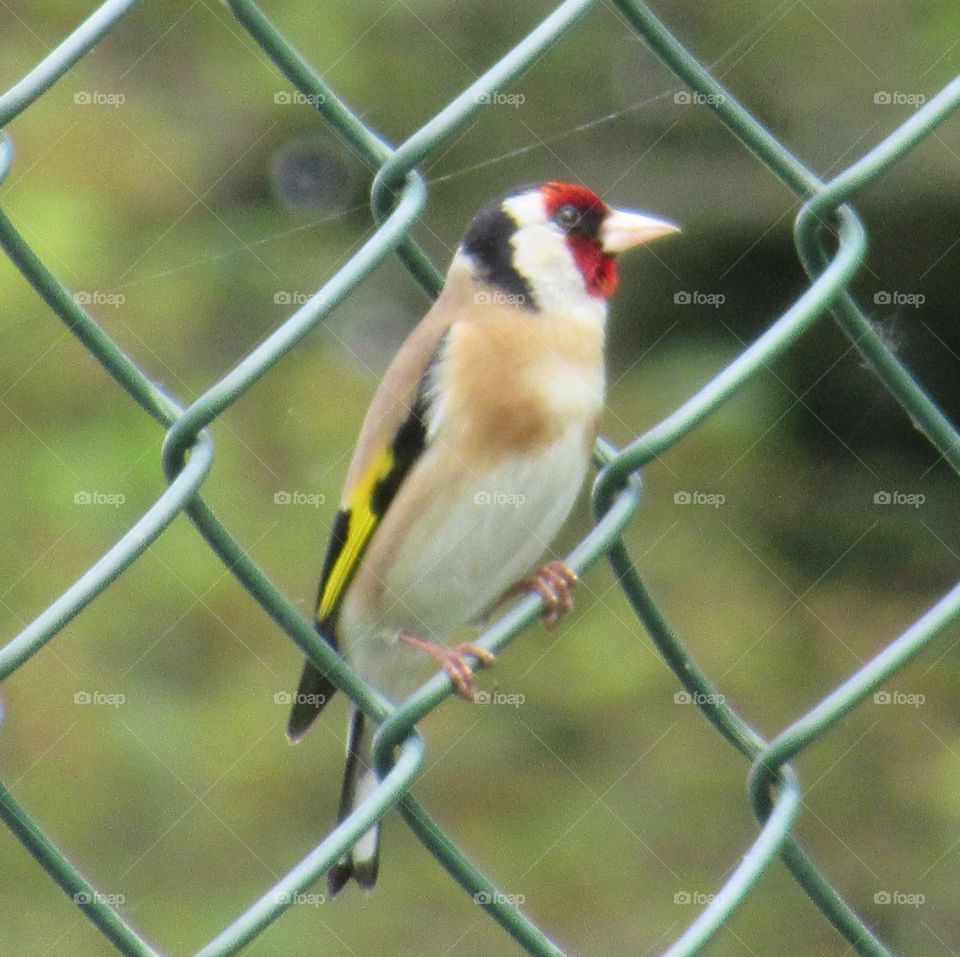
(554,247)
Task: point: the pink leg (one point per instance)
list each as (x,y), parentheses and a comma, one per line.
(554,583)
(453,660)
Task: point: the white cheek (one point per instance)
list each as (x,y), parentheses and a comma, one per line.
(544,259)
(542,256)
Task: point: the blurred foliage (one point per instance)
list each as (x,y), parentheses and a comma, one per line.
(198,211)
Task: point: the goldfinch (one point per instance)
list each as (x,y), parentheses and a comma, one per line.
(470,458)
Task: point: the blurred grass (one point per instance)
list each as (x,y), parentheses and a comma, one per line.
(611,808)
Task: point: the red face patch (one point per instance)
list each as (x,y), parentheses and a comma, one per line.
(599,269)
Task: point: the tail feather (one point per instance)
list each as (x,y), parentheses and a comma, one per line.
(314,691)
(362,861)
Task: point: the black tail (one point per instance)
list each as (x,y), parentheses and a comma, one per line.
(362,861)
(315,690)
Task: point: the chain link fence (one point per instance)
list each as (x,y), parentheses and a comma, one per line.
(831,243)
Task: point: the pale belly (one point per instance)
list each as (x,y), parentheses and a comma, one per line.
(466,548)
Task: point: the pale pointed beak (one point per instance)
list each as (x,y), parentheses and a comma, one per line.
(623,229)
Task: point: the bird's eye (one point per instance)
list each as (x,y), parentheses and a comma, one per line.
(567,216)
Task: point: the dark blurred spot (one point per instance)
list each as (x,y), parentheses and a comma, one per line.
(374,326)
(310,176)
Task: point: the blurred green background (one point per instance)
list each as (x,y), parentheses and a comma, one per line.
(173,181)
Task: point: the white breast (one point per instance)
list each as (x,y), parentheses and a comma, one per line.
(494,533)
(574,393)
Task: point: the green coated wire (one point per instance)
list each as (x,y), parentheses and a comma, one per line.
(472,100)
(372,149)
(823,716)
(284,894)
(59,60)
(107,569)
(779,337)
(892,373)
(92,902)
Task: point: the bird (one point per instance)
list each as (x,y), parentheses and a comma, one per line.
(470,458)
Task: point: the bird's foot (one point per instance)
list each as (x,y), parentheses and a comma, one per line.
(453,660)
(554,583)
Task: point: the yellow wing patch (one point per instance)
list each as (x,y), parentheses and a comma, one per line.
(363,520)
